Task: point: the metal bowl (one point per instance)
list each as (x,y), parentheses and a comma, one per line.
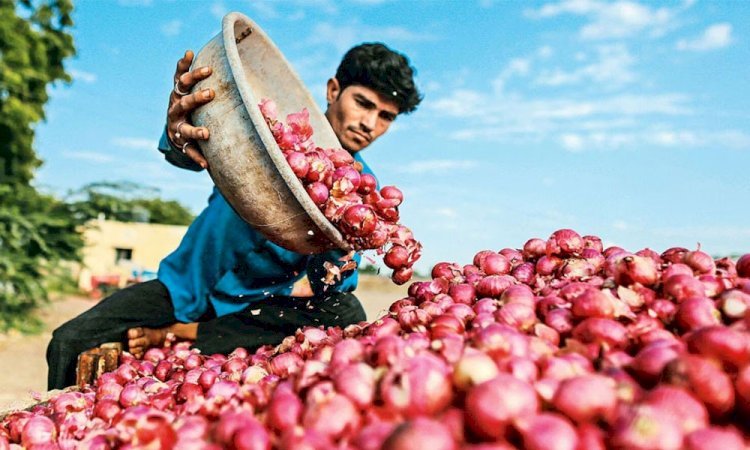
(244,160)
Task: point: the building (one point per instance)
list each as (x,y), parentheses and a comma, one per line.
(119,253)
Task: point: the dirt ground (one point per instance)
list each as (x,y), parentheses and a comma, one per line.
(23,368)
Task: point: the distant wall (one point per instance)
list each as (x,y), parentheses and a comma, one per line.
(120,248)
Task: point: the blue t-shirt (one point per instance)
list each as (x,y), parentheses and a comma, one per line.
(223,261)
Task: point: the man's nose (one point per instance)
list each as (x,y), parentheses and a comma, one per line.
(368,121)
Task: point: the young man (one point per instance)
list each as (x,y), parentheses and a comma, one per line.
(226,286)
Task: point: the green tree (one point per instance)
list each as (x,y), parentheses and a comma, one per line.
(37,231)
(127,202)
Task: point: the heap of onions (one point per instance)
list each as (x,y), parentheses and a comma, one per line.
(561,344)
(367,218)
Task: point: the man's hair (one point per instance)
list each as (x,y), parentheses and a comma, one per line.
(375,66)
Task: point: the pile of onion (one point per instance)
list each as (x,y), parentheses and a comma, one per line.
(560,344)
(366,217)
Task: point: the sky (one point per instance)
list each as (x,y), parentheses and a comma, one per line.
(626,120)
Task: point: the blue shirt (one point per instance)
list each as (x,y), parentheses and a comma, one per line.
(224,262)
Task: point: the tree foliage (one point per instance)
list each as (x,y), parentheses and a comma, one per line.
(37,231)
(127,202)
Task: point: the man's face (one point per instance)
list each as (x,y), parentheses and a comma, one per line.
(358,114)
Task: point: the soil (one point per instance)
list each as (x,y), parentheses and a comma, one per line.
(23,368)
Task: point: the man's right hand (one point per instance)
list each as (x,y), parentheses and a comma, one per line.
(182,102)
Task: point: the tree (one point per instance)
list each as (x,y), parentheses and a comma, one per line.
(37,231)
(127,202)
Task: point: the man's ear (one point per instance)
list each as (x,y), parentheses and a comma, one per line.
(332,90)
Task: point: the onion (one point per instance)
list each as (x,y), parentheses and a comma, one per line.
(564,242)
(728,346)
(586,398)
(373,435)
(714,438)
(495,264)
(524,272)
(547,264)
(38,431)
(473,368)
(603,332)
(593,303)
(707,381)
(402,275)
(494,285)
(548,431)
(318,192)
(462,293)
(358,220)
(334,416)
(517,315)
(743,266)
(421,387)
(420,433)
(635,269)
(734,303)
(396,257)
(534,248)
(284,409)
(561,320)
(299,163)
(700,262)
(491,406)
(646,427)
(679,404)
(650,361)
(357,382)
(697,312)
(682,287)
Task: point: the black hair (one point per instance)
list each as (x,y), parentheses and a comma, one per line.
(375,66)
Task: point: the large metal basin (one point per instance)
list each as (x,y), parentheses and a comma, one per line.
(244,161)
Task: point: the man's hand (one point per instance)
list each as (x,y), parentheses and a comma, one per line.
(302,288)
(182,102)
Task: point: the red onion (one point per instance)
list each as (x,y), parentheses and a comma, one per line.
(743,266)
(603,332)
(334,416)
(547,264)
(358,220)
(318,192)
(715,438)
(680,404)
(299,163)
(357,382)
(517,315)
(728,346)
(700,262)
(548,431)
(681,287)
(420,433)
(38,431)
(494,285)
(534,248)
(402,275)
(742,386)
(491,406)
(734,303)
(524,272)
(646,427)
(697,312)
(420,387)
(514,256)
(561,320)
(586,398)
(495,264)
(593,242)
(705,379)
(593,303)
(636,269)
(396,257)
(473,368)
(650,361)
(285,408)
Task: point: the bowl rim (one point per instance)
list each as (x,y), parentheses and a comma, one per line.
(271,147)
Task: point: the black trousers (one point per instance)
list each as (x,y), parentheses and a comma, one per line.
(148,305)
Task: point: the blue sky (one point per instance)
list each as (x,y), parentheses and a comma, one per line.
(628,120)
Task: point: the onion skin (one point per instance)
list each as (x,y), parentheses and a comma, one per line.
(646,427)
(728,346)
(705,380)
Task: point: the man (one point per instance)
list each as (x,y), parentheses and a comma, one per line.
(226,286)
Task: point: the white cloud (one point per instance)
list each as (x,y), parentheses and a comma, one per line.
(172,28)
(714,37)
(92,157)
(80,75)
(620,225)
(608,20)
(135,143)
(516,67)
(436,166)
(446,212)
(613,68)
(572,142)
